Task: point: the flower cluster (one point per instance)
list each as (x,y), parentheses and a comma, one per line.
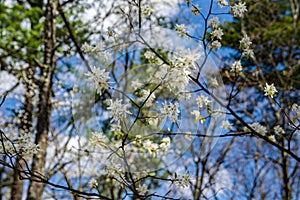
(202,101)
(278,130)
(100,79)
(245,44)
(296,109)
(181,29)
(183,180)
(222,3)
(257,128)
(93,183)
(239,9)
(171,110)
(270,90)
(216,34)
(227,125)
(236,67)
(142,189)
(118,110)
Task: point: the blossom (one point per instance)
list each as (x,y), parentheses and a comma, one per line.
(150,147)
(215,45)
(245,42)
(171,111)
(239,9)
(272,138)
(93,183)
(217,33)
(222,3)
(248,53)
(270,90)
(183,180)
(181,29)
(142,189)
(149,55)
(213,82)
(236,67)
(213,23)
(202,101)
(100,78)
(196,10)
(118,110)
(278,130)
(165,144)
(227,125)
(296,109)
(257,128)
(147,10)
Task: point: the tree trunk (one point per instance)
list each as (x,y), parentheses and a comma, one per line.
(35,189)
(25,127)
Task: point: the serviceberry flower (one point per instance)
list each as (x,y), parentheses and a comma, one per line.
(222,3)
(118,110)
(183,180)
(202,101)
(245,42)
(236,67)
(213,23)
(215,45)
(278,130)
(217,33)
(239,9)
(99,77)
(171,111)
(270,90)
(227,125)
(258,128)
(93,183)
(181,29)
(142,189)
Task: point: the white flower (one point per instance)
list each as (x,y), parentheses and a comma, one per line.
(213,23)
(248,53)
(99,78)
(196,113)
(202,101)
(98,138)
(215,45)
(136,84)
(93,183)
(181,29)
(236,67)
(184,180)
(258,128)
(165,143)
(150,99)
(270,90)
(150,147)
(239,9)
(147,10)
(227,125)
(118,110)
(272,138)
(245,42)
(296,109)
(86,48)
(222,3)
(278,130)
(142,189)
(171,111)
(213,82)
(196,10)
(217,33)
(149,55)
